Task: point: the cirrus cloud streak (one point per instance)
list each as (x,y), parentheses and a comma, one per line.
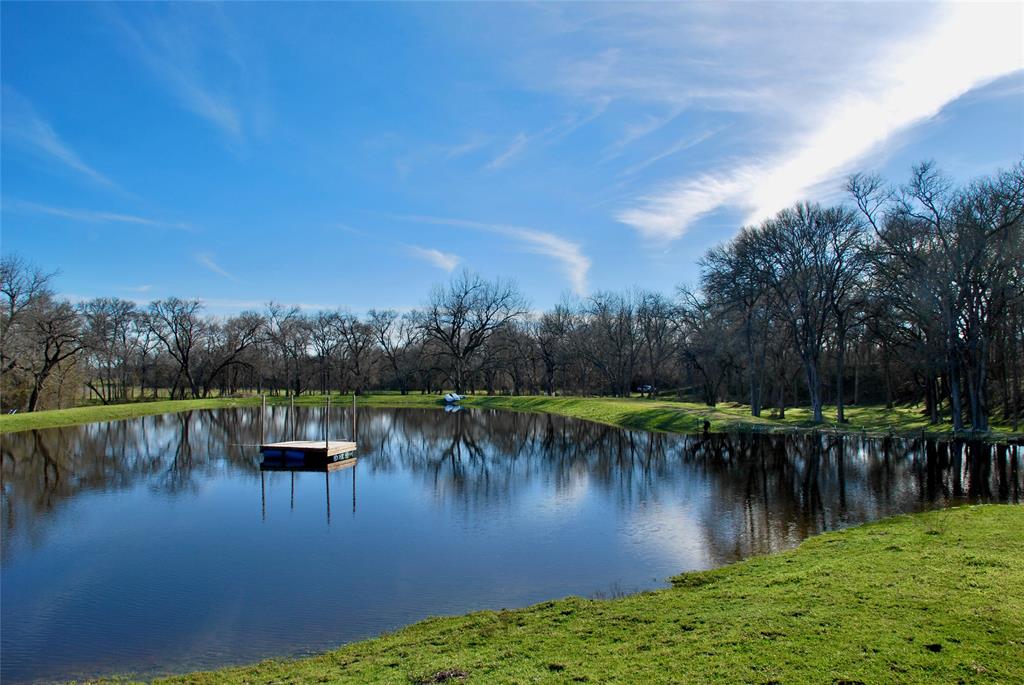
(968,46)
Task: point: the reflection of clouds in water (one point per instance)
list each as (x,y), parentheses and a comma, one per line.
(669,532)
(561,498)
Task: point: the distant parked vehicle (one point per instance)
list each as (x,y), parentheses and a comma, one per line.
(645,389)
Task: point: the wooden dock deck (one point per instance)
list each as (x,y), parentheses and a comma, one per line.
(315,449)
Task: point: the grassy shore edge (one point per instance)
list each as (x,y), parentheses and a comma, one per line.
(930,597)
(636,413)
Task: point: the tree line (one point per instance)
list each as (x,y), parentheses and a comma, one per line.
(904,293)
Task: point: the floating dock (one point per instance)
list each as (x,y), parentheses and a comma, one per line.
(299,454)
(319,449)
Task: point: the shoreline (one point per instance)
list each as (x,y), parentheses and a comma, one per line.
(925,597)
(658,415)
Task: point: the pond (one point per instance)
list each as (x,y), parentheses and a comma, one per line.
(157,545)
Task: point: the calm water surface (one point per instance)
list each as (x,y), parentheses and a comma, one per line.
(155,545)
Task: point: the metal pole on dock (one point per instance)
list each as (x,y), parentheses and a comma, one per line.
(353,417)
(327,427)
(263,420)
(291,413)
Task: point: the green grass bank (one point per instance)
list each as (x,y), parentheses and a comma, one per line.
(638,413)
(928,598)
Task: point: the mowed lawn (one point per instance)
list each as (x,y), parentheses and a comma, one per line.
(929,598)
(634,412)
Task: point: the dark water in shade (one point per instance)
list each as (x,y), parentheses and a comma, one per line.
(155,545)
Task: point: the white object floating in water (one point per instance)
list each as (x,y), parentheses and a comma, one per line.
(452,397)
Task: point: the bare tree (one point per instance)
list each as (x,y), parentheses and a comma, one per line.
(110,337)
(552,333)
(180,328)
(954,251)
(703,348)
(325,336)
(807,249)
(289,334)
(609,337)
(733,274)
(225,345)
(462,315)
(358,342)
(655,318)
(397,335)
(55,335)
(23,287)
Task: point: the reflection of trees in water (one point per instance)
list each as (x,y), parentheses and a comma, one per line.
(765,492)
(482,459)
(756,493)
(773,491)
(41,470)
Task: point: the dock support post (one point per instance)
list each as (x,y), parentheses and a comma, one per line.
(353,417)
(327,427)
(263,419)
(291,413)
(327,486)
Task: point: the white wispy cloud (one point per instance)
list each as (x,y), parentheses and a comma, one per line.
(640,129)
(93,216)
(515,148)
(667,215)
(472,144)
(649,73)
(561,128)
(569,255)
(965,47)
(174,50)
(23,124)
(680,145)
(446,261)
(442,260)
(416,156)
(206,259)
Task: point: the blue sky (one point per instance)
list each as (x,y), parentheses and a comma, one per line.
(352,155)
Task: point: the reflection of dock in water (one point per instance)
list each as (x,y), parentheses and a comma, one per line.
(322,467)
(325,467)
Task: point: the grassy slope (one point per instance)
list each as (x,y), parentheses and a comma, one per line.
(927,598)
(10,423)
(688,417)
(659,415)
